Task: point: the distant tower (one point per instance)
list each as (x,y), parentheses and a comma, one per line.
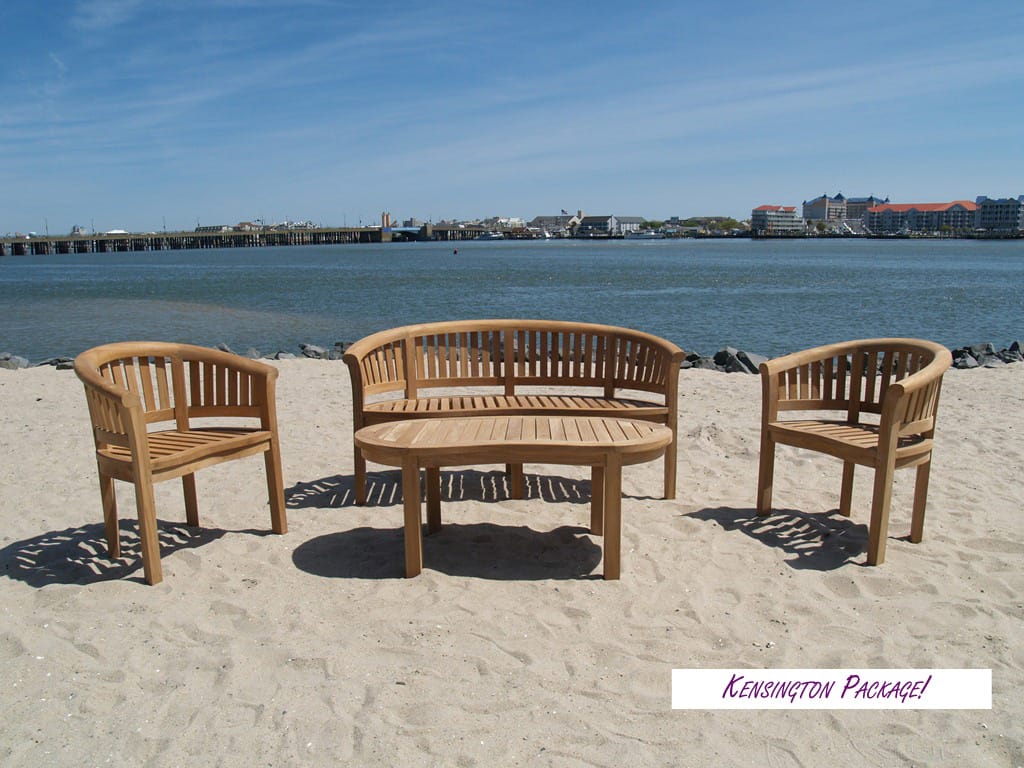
(385,220)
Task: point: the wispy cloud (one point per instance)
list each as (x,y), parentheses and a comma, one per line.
(95,15)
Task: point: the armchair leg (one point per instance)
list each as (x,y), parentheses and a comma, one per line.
(670,469)
(920,499)
(766,474)
(846,494)
(188,484)
(878,528)
(275,488)
(109,500)
(360,480)
(149,536)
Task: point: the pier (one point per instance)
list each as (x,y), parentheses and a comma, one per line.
(123,242)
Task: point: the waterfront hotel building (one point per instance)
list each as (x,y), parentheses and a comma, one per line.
(776,220)
(893,218)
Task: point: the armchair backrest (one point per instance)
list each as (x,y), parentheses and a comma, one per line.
(148,382)
(899,378)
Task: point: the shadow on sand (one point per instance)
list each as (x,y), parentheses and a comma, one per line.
(79,555)
(480,550)
(819,542)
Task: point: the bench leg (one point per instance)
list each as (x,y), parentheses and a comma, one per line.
(846,493)
(670,469)
(765,474)
(920,500)
(188,485)
(360,472)
(413,520)
(275,488)
(597,501)
(109,501)
(517,484)
(433,499)
(612,517)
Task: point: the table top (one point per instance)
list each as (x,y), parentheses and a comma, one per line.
(577,440)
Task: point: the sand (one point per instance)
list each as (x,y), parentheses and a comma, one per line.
(509,649)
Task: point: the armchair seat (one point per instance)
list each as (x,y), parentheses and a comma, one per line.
(855,442)
(173,453)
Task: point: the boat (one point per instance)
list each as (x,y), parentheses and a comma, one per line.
(490,236)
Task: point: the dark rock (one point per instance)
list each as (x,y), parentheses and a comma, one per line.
(282,355)
(12,362)
(337,353)
(752,361)
(964,362)
(705,363)
(982,352)
(1010,356)
(56,362)
(728,360)
(1017,347)
(313,351)
(225,348)
(253,353)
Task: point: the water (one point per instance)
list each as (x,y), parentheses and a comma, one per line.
(765,297)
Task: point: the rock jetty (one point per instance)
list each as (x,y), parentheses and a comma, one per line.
(727,360)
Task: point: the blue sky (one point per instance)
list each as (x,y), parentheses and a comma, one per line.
(137,114)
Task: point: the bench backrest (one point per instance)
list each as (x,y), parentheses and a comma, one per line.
(856,377)
(511,353)
(163,382)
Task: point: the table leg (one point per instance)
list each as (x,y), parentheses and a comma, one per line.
(612,516)
(433,499)
(597,500)
(517,483)
(413,521)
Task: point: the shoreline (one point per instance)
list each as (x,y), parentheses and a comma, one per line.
(726,360)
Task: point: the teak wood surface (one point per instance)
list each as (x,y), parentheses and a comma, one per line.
(897,380)
(604,444)
(590,366)
(143,399)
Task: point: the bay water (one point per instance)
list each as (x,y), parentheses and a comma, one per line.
(767,297)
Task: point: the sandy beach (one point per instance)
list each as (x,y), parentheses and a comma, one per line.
(312,649)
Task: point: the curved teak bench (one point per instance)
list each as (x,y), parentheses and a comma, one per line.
(898,379)
(131,386)
(586,363)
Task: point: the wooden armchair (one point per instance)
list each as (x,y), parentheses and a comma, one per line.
(132,386)
(898,379)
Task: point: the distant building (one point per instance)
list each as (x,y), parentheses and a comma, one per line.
(562,224)
(1003,215)
(825,208)
(247,226)
(920,217)
(776,220)
(608,226)
(214,228)
(856,207)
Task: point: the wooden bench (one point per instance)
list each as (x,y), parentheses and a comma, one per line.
(897,380)
(571,369)
(133,386)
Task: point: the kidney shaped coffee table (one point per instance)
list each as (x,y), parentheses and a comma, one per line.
(604,444)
